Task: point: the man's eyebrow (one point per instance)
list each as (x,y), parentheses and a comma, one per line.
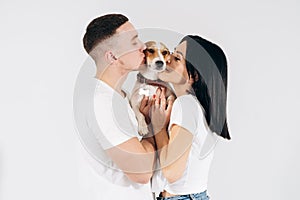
(134,37)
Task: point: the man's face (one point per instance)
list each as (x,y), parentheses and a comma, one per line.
(130,53)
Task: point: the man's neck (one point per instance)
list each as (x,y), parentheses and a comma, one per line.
(115,79)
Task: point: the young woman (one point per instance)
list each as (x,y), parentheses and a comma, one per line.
(198,72)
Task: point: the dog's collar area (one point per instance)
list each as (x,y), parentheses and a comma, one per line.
(142,79)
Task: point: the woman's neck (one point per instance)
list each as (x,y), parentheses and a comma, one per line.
(181,89)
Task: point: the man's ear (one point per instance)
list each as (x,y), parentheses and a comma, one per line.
(110,57)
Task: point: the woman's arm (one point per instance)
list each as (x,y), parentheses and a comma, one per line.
(174,151)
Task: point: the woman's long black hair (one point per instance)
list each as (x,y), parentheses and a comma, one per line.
(206,64)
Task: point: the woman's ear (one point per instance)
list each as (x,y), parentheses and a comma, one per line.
(196,76)
(191,79)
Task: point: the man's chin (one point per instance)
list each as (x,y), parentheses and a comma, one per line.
(142,67)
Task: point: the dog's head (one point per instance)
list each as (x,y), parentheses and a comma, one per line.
(156,55)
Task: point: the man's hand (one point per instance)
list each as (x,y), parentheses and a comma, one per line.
(145,107)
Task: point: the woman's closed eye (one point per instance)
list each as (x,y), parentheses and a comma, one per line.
(177,57)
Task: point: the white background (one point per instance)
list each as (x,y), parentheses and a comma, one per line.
(41,54)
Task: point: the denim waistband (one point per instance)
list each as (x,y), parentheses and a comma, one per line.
(195,196)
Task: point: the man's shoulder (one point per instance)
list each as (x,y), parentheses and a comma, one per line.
(110,101)
(103,92)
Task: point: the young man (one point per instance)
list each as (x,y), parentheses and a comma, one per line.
(114,45)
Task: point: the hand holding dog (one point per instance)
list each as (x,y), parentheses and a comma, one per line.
(145,106)
(160,111)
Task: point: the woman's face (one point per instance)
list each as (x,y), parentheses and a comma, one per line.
(176,72)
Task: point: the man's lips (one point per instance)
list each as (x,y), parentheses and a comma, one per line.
(144,60)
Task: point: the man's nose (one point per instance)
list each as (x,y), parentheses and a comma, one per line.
(143,46)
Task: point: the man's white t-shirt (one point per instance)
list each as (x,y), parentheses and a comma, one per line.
(114,115)
(189,114)
(110,121)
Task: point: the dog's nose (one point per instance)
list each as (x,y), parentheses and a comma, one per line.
(159,64)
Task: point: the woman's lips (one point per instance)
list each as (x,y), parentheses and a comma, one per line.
(167,69)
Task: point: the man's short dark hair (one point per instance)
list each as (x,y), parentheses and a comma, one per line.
(102,28)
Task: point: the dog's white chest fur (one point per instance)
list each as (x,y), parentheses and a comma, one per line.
(147,90)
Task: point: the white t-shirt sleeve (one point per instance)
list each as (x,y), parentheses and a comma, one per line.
(186,112)
(115,120)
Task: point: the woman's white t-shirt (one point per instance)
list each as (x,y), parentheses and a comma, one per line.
(189,114)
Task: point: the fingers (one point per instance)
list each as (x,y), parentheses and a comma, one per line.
(157,98)
(144,101)
(160,98)
(171,99)
(170,102)
(145,105)
(161,111)
(163,98)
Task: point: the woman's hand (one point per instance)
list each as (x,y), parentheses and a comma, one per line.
(160,111)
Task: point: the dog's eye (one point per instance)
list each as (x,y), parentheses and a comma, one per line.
(164,53)
(150,50)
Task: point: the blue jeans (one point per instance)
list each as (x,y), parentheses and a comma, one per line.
(197,196)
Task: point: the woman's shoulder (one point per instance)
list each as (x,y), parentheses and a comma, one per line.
(188,107)
(189,102)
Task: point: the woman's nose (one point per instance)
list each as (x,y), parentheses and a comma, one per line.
(168,60)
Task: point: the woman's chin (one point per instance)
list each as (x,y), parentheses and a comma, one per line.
(161,75)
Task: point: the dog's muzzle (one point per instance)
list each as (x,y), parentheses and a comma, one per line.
(158,65)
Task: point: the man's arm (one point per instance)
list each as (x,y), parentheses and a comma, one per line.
(135,158)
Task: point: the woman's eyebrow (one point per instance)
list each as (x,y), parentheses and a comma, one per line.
(179,52)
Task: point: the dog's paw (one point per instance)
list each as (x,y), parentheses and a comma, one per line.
(143,128)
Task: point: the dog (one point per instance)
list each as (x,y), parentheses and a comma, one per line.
(156,55)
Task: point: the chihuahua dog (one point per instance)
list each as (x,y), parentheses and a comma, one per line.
(156,55)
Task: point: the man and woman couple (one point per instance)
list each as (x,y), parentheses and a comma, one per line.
(197,70)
